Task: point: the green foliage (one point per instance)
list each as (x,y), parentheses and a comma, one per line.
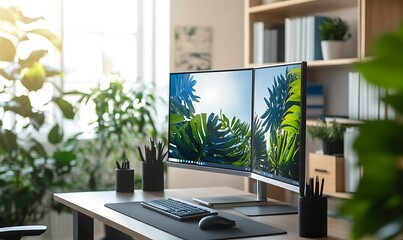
(282,120)
(331,132)
(125,119)
(198,137)
(291,120)
(28,173)
(282,152)
(334,29)
(259,154)
(376,207)
(182,96)
(276,104)
(209,140)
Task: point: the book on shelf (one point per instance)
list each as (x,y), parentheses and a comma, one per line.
(315,101)
(268,43)
(365,99)
(353,95)
(302,40)
(258,42)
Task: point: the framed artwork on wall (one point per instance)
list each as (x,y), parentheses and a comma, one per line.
(192,50)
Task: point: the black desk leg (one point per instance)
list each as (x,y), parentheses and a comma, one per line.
(83,226)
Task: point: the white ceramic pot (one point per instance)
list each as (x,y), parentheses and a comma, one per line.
(332,49)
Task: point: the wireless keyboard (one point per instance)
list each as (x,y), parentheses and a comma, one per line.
(178,209)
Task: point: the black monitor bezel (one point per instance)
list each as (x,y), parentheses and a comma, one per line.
(302,160)
(251,174)
(202,167)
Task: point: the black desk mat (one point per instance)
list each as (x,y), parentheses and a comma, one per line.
(190,229)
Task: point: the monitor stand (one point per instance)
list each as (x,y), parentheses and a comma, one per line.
(235,200)
(249,205)
(268,208)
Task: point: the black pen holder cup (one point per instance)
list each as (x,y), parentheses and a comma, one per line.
(153,176)
(312,217)
(124,180)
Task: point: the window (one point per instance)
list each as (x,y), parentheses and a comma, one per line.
(100,40)
(105,39)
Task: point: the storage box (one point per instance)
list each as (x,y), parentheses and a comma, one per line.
(329,167)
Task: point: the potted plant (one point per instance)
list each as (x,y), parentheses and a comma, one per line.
(29,173)
(333,32)
(125,119)
(331,134)
(376,206)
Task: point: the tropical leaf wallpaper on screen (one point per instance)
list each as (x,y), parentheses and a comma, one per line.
(202,128)
(277,121)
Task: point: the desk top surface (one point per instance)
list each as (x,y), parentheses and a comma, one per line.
(92,205)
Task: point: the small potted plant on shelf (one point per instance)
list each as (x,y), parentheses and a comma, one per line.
(331,134)
(333,33)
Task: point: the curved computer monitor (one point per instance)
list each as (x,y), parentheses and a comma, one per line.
(248,122)
(210,120)
(278,142)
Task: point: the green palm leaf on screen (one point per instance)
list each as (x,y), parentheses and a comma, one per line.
(259,146)
(182,95)
(203,139)
(276,104)
(242,132)
(291,121)
(282,152)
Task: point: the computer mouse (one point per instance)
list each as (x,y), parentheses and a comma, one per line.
(215,222)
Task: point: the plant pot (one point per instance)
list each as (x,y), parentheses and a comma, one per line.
(333,147)
(332,49)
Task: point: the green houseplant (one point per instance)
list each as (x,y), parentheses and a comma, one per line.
(28,172)
(333,32)
(276,130)
(376,206)
(334,29)
(331,134)
(125,119)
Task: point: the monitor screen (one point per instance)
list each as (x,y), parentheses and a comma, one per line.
(210,120)
(278,142)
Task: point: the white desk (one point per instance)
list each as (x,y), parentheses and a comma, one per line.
(90,205)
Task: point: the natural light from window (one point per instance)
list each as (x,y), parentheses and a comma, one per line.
(103,40)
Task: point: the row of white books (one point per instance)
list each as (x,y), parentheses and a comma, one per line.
(302,39)
(268,43)
(365,100)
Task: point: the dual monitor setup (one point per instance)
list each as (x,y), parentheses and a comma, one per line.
(248,122)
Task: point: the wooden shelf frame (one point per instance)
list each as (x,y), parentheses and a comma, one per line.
(374,18)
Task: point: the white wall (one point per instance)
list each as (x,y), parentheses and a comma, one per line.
(226,19)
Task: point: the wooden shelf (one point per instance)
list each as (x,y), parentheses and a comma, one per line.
(333,63)
(319,63)
(344,121)
(341,195)
(369,20)
(301,7)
